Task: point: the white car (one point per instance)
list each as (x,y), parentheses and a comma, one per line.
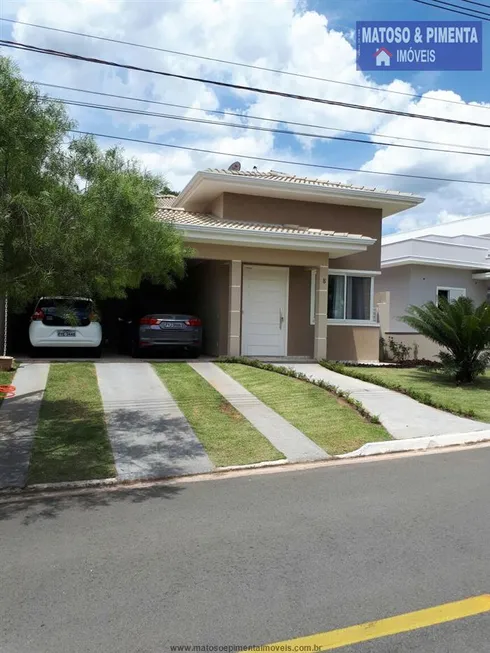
(65,322)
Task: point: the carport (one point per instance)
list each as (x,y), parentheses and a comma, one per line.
(203,292)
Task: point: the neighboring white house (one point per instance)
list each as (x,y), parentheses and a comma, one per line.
(447,260)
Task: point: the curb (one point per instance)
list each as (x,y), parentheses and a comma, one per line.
(370,449)
(119,482)
(266,463)
(418,444)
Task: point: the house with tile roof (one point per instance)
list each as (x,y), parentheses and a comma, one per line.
(286,264)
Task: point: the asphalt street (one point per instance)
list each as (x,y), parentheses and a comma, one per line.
(251,560)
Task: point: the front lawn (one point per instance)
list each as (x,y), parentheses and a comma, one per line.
(473,400)
(325,418)
(71,441)
(227,436)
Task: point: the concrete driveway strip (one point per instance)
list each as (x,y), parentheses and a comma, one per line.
(18,422)
(281,434)
(401,416)
(150,436)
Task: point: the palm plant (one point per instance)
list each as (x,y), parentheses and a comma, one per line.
(462,329)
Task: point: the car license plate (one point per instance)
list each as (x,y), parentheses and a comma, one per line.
(67,334)
(171,325)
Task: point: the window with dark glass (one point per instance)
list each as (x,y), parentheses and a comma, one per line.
(349,297)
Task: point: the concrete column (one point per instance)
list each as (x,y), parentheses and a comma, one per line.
(320,348)
(235,308)
(2,322)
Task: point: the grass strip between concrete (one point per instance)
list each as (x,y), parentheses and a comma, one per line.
(227,436)
(320,411)
(428,386)
(71,442)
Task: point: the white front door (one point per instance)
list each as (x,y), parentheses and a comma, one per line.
(265,310)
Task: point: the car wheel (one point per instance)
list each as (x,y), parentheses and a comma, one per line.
(97,352)
(194,352)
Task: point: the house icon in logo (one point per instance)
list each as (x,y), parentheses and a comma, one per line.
(383,57)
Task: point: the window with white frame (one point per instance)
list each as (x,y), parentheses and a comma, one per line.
(449,294)
(350,297)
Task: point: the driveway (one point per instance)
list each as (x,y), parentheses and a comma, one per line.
(18,422)
(150,436)
(401,416)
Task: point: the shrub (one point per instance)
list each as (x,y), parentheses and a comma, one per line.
(462,329)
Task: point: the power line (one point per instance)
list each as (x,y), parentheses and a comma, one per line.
(283,161)
(234,63)
(481,4)
(451,4)
(454,11)
(252,117)
(239,87)
(287,132)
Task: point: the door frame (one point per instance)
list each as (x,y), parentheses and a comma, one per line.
(285,270)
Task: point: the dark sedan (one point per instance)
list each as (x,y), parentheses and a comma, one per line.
(167,331)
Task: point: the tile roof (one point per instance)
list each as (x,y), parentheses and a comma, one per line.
(188,218)
(165,200)
(274,175)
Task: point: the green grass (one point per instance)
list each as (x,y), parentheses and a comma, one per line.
(71,440)
(5,379)
(228,438)
(325,418)
(433,388)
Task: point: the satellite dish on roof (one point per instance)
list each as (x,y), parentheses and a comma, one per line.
(235,167)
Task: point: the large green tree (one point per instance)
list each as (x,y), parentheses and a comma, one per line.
(74,219)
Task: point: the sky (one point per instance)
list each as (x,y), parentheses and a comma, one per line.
(306,37)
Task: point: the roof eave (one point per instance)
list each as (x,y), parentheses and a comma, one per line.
(390,203)
(248,238)
(426,260)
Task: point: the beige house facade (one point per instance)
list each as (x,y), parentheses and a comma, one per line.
(286,265)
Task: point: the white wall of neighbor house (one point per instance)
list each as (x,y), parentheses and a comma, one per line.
(399,287)
(396,282)
(418,284)
(425,280)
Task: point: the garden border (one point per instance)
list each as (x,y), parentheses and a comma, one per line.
(287,371)
(422,397)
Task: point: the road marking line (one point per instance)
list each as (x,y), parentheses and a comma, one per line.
(385,627)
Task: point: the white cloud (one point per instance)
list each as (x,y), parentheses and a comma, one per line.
(275,34)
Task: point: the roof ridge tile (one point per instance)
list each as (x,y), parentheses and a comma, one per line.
(277,176)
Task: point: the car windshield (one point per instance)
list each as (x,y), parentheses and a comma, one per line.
(65,311)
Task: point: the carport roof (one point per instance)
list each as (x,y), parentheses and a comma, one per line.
(165,201)
(181,217)
(203,226)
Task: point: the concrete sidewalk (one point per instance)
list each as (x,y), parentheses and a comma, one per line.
(150,436)
(281,434)
(18,423)
(401,416)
